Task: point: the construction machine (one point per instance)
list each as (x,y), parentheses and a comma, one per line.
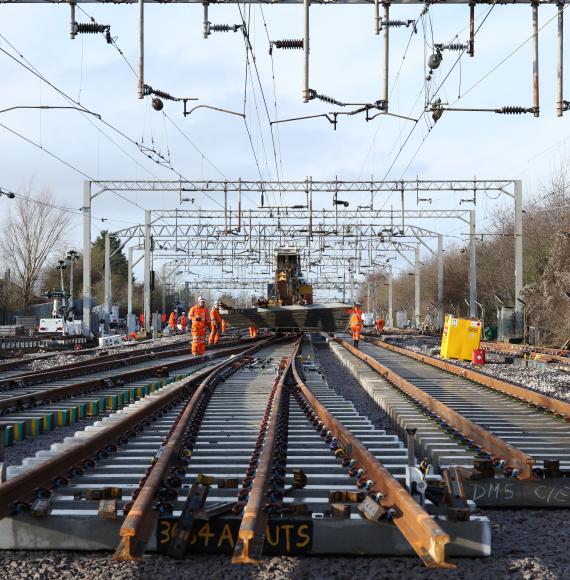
(289,302)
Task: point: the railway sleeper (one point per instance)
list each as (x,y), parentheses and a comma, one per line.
(304,525)
(446,448)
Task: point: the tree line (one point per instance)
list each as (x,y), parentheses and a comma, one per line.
(546,239)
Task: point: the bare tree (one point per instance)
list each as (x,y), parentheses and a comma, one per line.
(32,232)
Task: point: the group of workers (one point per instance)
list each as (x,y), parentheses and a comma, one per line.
(201,320)
(357,322)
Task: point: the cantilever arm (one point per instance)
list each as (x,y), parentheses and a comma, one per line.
(332,121)
(393,115)
(186,113)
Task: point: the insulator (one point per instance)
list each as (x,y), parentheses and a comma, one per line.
(513,110)
(399,23)
(289,43)
(91,27)
(455,46)
(225,27)
(150,91)
(325,98)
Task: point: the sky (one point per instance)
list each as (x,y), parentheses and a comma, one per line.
(346,63)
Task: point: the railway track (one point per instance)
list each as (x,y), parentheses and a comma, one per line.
(34,403)
(513,444)
(253,454)
(503,348)
(13,373)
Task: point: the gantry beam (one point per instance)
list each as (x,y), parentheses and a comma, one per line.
(327,2)
(213,233)
(269,215)
(301,186)
(253,283)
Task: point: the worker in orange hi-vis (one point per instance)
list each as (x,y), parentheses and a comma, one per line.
(356,323)
(252,331)
(216,321)
(172,321)
(380,325)
(183,322)
(224,325)
(200,319)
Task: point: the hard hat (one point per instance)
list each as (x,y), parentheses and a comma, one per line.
(200,299)
(217,303)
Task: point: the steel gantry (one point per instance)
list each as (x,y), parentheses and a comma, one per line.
(352,247)
(358,238)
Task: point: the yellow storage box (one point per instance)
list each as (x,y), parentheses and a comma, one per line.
(461,336)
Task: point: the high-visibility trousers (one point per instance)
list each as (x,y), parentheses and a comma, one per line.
(183,328)
(215,334)
(356,330)
(224,326)
(198,342)
(252,331)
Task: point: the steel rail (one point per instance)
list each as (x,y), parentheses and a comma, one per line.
(77,365)
(87,386)
(85,368)
(98,363)
(514,457)
(141,520)
(530,397)
(251,533)
(23,486)
(421,531)
(559,354)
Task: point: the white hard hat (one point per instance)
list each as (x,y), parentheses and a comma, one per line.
(217,303)
(200,299)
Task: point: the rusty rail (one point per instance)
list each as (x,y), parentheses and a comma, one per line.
(531,397)
(421,531)
(536,352)
(104,363)
(89,385)
(514,457)
(141,520)
(525,348)
(23,486)
(251,535)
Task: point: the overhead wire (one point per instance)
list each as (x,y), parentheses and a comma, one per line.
(394,84)
(258,117)
(509,55)
(113,39)
(31,68)
(67,164)
(245,118)
(65,209)
(430,127)
(274,100)
(249,47)
(84,112)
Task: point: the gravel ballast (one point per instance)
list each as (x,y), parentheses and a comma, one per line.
(57,360)
(552,382)
(526,545)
